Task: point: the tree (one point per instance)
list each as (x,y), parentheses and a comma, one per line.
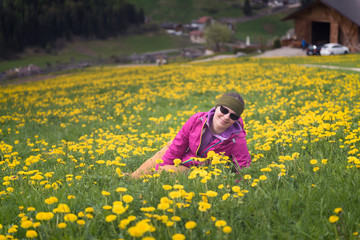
(26,23)
(247,8)
(217,33)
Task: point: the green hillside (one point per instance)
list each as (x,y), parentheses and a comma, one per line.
(264,29)
(187,10)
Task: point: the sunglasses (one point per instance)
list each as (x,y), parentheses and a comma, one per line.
(225,111)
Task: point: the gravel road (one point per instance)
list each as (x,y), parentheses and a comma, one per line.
(283,52)
(279,52)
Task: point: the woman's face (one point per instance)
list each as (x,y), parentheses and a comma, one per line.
(221,121)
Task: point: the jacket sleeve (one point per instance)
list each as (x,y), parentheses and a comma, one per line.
(180,144)
(241,155)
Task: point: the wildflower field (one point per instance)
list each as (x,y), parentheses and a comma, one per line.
(66,142)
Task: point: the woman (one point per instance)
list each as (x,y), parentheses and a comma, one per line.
(219,130)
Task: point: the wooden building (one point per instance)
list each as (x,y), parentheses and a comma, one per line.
(329,21)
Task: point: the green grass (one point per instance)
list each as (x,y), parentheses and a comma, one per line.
(65,137)
(264,29)
(92,50)
(169,11)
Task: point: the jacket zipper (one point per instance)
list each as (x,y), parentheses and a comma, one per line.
(210,148)
(202,129)
(190,160)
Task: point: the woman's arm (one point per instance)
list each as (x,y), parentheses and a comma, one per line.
(180,144)
(241,155)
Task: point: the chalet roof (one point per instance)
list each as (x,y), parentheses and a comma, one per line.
(204,19)
(348,8)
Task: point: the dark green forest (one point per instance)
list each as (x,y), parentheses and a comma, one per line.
(25,23)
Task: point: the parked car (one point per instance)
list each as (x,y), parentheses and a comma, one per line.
(333,48)
(313,49)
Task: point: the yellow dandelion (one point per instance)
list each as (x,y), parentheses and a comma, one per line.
(62,208)
(178,186)
(37,224)
(220,223)
(136,231)
(31,234)
(170,223)
(89,210)
(227,229)
(175,194)
(62,225)
(204,206)
(121,189)
(159,161)
(163,206)
(123,223)
(236,189)
(148,238)
(267,169)
(80,222)
(247,177)
(127,198)
(70,217)
(51,200)
(262,177)
(176,218)
(313,161)
(225,196)
(44,216)
(110,218)
(190,225)
(147,209)
(337,210)
(211,193)
(26,224)
(107,207)
(333,219)
(118,208)
(105,193)
(178,236)
(177,162)
(167,187)
(13,229)
(71,197)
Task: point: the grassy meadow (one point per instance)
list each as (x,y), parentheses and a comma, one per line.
(66,142)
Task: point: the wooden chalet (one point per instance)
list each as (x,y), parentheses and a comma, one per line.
(329,21)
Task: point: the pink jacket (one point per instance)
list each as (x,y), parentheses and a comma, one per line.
(186,144)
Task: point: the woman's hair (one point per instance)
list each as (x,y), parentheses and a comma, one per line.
(237,96)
